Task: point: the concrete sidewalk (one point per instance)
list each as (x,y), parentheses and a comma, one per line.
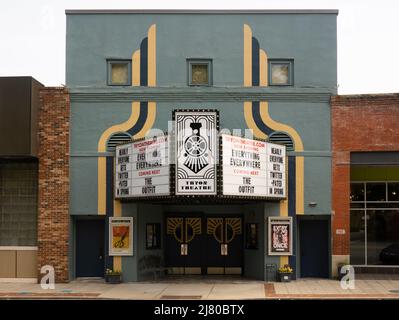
(204,289)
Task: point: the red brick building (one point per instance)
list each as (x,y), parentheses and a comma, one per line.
(365,175)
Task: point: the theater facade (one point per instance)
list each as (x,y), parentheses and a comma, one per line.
(200,140)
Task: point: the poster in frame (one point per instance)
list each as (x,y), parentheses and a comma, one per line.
(280,236)
(120,236)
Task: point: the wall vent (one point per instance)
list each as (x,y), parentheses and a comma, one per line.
(282,138)
(117,139)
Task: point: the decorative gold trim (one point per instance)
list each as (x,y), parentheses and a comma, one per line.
(195,224)
(171,225)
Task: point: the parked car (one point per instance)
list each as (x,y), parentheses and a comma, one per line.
(390,254)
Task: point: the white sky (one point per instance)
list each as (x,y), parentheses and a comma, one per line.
(32,36)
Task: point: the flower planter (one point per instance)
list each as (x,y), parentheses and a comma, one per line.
(285,276)
(113,278)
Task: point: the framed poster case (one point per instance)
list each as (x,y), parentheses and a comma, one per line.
(280,236)
(121,236)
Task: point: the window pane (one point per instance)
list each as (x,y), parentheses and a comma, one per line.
(280,73)
(357,232)
(375,192)
(199,74)
(357,192)
(119,73)
(393,192)
(383,237)
(18,203)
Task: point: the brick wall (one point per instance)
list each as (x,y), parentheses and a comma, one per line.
(359,123)
(53,202)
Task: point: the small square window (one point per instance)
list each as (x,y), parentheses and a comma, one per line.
(119,72)
(199,72)
(281,72)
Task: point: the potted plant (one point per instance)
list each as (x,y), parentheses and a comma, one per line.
(285,273)
(113,276)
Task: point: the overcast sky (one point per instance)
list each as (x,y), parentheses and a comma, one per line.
(32,34)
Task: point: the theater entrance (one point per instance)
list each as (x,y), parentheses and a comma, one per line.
(204,244)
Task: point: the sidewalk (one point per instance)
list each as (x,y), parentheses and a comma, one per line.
(218,289)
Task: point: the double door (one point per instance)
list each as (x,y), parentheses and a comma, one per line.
(203,244)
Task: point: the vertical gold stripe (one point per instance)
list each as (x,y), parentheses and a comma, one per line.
(152,63)
(264,113)
(247,56)
(250,121)
(134,115)
(300,181)
(117,213)
(117,208)
(101,185)
(117,263)
(136,68)
(283,261)
(263,75)
(152,110)
(102,147)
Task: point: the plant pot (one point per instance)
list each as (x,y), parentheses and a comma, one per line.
(285,276)
(113,278)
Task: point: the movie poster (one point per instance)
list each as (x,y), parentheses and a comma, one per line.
(120,236)
(280,235)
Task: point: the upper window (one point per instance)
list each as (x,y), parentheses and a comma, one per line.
(281,72)
(199,72)
(119,72)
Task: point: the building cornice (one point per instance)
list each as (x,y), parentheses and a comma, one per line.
(183,11)
(216,94)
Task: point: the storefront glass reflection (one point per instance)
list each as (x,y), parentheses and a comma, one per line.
(374,224)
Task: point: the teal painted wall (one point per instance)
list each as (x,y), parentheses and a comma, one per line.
(254,258)
(308,38)
(129,264)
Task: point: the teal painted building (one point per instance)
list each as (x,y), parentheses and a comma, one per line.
(272,72)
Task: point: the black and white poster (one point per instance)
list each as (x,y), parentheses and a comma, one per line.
(142,168)
(196,152)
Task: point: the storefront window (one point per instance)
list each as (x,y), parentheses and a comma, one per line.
(357,238)
(374,224)
(18,202)
(382,233)
(357,192)
(393,192)
(376,192)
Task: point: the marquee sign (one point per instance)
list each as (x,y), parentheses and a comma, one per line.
(252,168)
(248,168)
(142,168)
(196,152)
